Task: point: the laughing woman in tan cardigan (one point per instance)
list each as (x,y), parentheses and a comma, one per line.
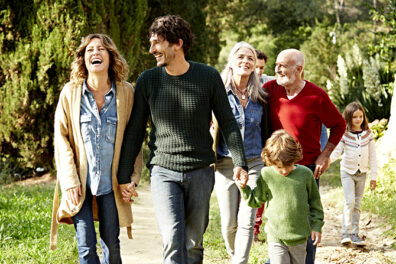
(92,112)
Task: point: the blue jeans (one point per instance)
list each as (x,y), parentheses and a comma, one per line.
(311,249)
(181,205)
(108,228)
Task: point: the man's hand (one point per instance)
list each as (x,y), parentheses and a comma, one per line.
(322,162)
(73,195)
(241,177)
(128,190)
(316,237)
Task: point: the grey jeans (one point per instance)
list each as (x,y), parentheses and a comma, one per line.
(353,186)
(237,218)
(181,205)
(281,254)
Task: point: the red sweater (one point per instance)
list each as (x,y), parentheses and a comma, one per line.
(303,116)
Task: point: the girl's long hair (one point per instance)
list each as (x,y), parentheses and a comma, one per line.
(348,114)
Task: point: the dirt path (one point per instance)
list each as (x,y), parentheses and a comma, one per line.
(378,249)
(146,246)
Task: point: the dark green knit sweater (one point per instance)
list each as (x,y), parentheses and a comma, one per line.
(180,109)
(292,199)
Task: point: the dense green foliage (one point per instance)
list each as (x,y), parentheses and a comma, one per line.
(324,31)
(25,222)
(37,44)
(38,39)
(363,80)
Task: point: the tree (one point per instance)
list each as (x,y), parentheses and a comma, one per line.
(37,44)
(385,44)
(38,40)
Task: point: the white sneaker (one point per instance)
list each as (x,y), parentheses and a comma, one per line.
(345,239)
(356,240)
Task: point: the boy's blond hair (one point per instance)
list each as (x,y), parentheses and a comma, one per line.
(281,146)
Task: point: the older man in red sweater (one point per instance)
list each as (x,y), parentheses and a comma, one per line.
(300,107)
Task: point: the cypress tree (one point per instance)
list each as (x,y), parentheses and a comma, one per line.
(38,40)
(37,44)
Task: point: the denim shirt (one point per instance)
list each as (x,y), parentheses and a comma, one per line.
(249,121)
(98,131)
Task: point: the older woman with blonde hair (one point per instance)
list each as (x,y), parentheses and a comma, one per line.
(249,105)
(90,119)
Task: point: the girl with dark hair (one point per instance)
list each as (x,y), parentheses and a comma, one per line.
(359,152)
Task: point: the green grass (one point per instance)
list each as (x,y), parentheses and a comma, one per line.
(25,221)
(382,201)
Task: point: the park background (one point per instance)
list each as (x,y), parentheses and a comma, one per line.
(350,49)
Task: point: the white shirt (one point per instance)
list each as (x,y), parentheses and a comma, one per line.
(359,153)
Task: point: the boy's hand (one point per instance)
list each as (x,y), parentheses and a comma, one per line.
(316,237)
(241,177)
(373,184)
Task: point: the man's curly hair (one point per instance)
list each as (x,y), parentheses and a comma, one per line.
(172,28)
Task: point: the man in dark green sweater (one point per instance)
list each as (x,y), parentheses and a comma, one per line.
(293,197)
(179,97)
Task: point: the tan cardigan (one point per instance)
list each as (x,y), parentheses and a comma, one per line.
(71,160)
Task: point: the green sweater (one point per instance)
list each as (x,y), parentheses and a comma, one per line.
(180,109)
(292,199)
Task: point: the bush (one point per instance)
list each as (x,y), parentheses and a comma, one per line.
(37,44)
(364,80)
(378,127)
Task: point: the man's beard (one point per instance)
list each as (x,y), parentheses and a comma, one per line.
(283,81)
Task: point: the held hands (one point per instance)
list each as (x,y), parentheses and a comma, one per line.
(241,177)
(73,195)
(373,184)
(316,237)
(128,190)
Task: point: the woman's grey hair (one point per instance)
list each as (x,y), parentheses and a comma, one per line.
(256,93)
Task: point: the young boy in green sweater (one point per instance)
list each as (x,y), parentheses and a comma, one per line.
(293,199)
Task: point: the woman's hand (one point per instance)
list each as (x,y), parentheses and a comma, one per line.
(128,190)
(73,195)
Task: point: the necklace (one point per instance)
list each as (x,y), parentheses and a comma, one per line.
(242,93)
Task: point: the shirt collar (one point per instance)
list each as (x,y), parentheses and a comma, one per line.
(229,89)
(86,90)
